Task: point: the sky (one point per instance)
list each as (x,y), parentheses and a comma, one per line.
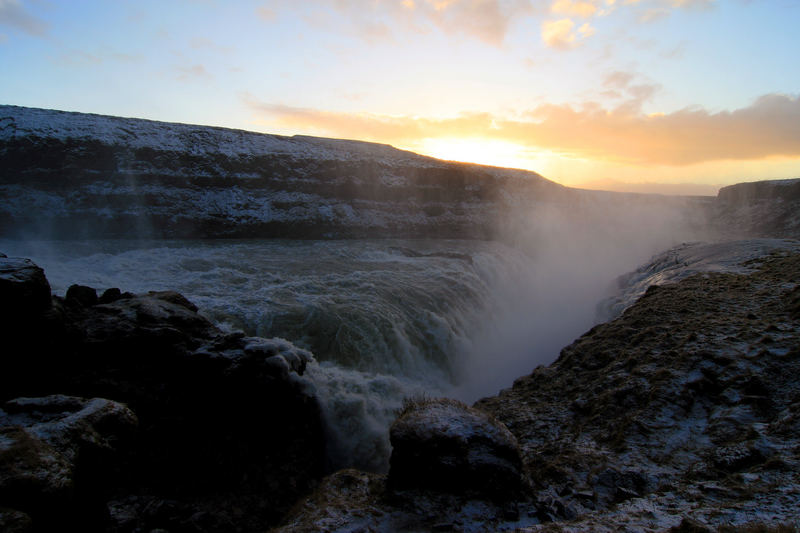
(677,96)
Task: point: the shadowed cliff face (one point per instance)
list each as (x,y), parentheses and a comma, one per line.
(72,175)
(76,176)
(759,209)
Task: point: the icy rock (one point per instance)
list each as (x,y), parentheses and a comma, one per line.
(49,443)
(81,294)
(444,445)
(612,486)
(110,295)
(279,354)
(23,287)
(207,404)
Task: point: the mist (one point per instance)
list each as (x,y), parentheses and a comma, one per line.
(574,250)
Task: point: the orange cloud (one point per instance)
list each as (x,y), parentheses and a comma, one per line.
(769,127)
(574,8)
(486,20)
(558,34)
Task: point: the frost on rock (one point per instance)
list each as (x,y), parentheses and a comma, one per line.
(685,260)
(55,450)
(139,178)
(445,445)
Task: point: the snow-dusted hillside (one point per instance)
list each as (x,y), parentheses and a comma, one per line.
(72,175)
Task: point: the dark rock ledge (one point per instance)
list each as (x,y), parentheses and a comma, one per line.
(134,413)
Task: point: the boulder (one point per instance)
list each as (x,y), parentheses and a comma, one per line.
(444,445)
(24,290)
(56,454)
(82,295)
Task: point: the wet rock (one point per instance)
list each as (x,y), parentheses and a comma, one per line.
(220,423)
(81,295)
(13,521)
(612,486)
(56,454)
(110,295)
(278,353)
(689,525)
(24,290)
(445,445)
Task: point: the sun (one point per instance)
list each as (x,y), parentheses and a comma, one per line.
(477,150)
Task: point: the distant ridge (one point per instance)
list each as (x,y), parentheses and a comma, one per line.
(69,175)
(66,174)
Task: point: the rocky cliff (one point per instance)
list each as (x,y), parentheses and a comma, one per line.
(761,208)
(73,175)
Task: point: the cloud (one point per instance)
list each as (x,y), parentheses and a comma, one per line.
(693,4)
(586,30)
(618,79)
(558,34)
(266,13)
(769,127)
(654,14)
(574,8)
(82,57)
(620,85)
(660,9)
(677,52)
(13,14)
(203,43)
(193,72)
(486,20)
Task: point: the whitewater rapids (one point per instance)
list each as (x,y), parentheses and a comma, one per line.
(385,319)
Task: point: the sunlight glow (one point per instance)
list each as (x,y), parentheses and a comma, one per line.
(478,150)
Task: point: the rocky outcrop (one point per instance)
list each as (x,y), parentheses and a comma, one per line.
(685,260)
(227,423)
(759,209)
(57,458)
(444,445)
(24,287)
(452,466)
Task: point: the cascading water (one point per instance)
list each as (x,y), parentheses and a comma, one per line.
(384,319)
